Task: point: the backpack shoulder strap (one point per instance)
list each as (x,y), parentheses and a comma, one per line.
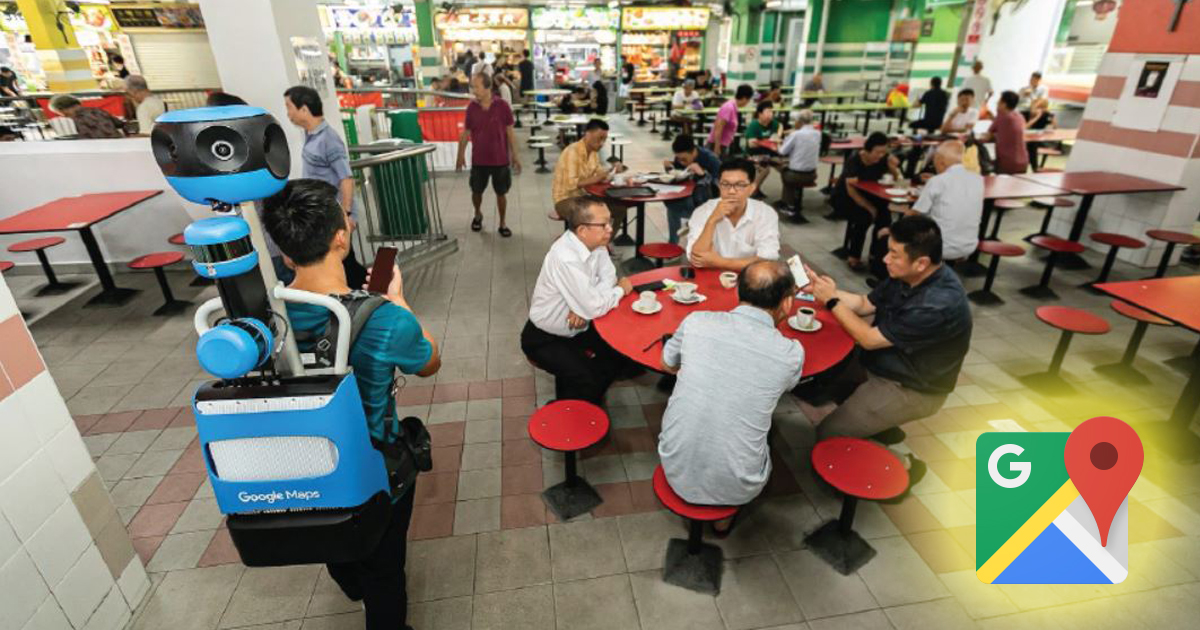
(361,306)
(361,309)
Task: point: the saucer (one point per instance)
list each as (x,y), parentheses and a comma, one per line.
(637,308)
(696,299)
(816,325)
(897,192)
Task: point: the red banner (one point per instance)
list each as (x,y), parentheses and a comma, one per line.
(113,104)
(441,126)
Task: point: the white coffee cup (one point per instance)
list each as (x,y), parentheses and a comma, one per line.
(886,179)
(804,317)
(646,299)
(619,180)
(728,279)
(685,290)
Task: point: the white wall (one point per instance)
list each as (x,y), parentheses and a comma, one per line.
(1021,43)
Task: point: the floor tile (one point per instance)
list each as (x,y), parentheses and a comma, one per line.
(447,434)
(869,620)
(754,595)
(936,615)
(134,492)
(940,551)
(345,621)
(479,515)
(415,395)
(435,520)
(220,551)
(328,598)
(666,607)
(156,520)
(201,514)
(948,509)
(512,558)
(586,549)
(180,551)
(979,600)
(436,488)
(821,591)
(441,568)
(176,487)
(897,574)
(604,603)
(270,595)
(522,510)
(445,614)
(529,608)
(478,484)
(482,431)
(480,456)
(190,600)
(520,452)
(644,538)
(616,497)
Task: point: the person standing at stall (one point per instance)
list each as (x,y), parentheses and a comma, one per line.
(525,67)
(489,127)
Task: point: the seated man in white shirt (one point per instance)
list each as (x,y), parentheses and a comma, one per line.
(954,200)
(962,118)
(802,148)
(733,367)
(577,284)
(732,231)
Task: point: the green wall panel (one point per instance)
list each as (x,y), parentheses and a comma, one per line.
(858,21)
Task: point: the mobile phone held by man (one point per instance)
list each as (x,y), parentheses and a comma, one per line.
(381,270)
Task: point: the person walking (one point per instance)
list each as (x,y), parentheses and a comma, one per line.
(489,128)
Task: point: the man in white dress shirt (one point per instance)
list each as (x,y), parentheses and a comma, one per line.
(954,200)
(732,231)
(577,284)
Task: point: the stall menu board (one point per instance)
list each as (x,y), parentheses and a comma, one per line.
(159,17)
(570,18)
(482,18)
(664,19)
(353,18)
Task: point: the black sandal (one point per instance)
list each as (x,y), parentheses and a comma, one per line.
(476,224)
(505,232)
(723,534)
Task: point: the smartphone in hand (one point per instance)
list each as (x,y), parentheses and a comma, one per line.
(381,270)
(798,272)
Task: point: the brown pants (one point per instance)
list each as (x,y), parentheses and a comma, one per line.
(877,404)
(794,183)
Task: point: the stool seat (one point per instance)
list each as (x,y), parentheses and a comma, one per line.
(35,244)
(1072,320)
(568,425)
(677,505)
(176,239)
(1010,204)
(1000,248)
(860,468)
(157,259)
(1054,202)
(1137,314)
(541,145)
(621,142)
(661,251)
(1117,240)
(1048,151)
(5,265)
(832,159)
(1056,244)
(1171,236)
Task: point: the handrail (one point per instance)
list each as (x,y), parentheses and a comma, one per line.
(387,153)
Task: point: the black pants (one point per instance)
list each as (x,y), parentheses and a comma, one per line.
(860,222)
(379,580)
(583,366)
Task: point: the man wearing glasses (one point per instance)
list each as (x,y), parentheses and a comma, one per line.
(577,284)
(732,231)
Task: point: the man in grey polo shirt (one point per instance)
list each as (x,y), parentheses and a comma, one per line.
(732,368)
(325,158)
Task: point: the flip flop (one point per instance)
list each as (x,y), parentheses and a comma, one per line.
(505,232)
(476,224)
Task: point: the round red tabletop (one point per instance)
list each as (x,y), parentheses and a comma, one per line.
(568,425)
(860,468)
(601,190)
(629,332)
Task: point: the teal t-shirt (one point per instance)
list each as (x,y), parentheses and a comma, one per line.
(390,339)
(755,130)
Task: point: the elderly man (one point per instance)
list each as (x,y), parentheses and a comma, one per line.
(954,200)
(149,106)
(577,284)
(913,350)
(1008,132)
(734,230)
(963,117)
(802,148)
(979,84)
(703,168)
(732,368)
(489,128)
(579,166)
(870,163)
(90,122)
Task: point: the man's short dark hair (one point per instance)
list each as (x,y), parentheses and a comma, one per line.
(738,164)
(762,105)
(765,284)
(920,236)
(936,82)
(744,92)
(302,219)
(876,139)
(683,144)
(221,99)
(526,53)
(579,210)
(1036,74)
(775,85)
(1010,99)
(304,96)
(484,78)
(967,91)
(594,124)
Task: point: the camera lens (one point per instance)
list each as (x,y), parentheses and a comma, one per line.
(222,150)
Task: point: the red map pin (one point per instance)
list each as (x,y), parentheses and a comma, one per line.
(1104,458)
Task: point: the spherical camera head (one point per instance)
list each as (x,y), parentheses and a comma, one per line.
(221,155)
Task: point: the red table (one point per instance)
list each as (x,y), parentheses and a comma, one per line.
(601,190)
(629,332)
(80,214)
(1174,299)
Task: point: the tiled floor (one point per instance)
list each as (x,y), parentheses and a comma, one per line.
(486,554)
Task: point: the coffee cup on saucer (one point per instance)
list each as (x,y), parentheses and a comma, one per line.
(886,180)
(685,291)
(728,279)
(647,300)
(804,317)
(619,180)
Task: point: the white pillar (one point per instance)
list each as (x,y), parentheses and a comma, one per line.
(252,42)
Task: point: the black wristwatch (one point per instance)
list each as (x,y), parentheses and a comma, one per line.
(833,301)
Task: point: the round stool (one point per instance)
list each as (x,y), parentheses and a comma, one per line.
(541,161)
(176,239)
(1123,370)
(660,252)
(1172,239)
(860,469)
(692,563)
(1115,242)
(1055,246)
(997,250)
(1049,204)
(157,261)
(39,247)
(5,265)
(198,281)
(1001,207)
(569,426)
(618,149)
(1070,321)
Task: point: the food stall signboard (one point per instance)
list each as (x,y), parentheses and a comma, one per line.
(664,18)
(483,17)
(575,18)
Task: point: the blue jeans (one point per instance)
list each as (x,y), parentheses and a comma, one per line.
(677,212)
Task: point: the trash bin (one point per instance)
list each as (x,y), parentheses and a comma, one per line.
(399,188)
(350,127)
(404,125)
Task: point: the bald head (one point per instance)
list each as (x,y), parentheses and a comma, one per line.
(804,117)
(766,284)
(948,154)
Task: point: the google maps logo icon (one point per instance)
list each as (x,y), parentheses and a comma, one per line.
(1052,507)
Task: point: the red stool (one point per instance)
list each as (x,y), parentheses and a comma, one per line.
(996,250)
(660,252)
(176,239)
(569,426)
(833,161)
(1045,152)
(692,563)
(1001,208)
(1115,242)
(860,469)
(157,261)
(39,247)
(5,265)
(1055,246)
(1069,321)
(1171,239)
(1123,370)
(198,281)
(1049,204)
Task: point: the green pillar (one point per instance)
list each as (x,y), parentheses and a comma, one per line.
(1064,25)
(744,42)
(431,58)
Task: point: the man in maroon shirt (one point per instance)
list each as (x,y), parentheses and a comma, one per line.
(1008,132)
(489,128)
